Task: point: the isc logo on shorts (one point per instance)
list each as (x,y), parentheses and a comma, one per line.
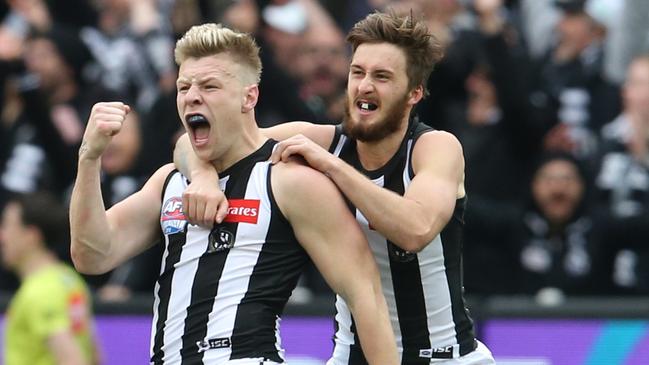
(437,353)
(213,343)
(242,211)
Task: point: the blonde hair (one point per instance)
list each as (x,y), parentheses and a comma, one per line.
(211,39)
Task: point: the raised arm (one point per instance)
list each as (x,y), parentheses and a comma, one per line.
(102,240)
(203,202)
(329,233)
(410,221)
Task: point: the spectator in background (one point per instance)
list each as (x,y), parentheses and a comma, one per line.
(45,112)
(456,27)
(623,181)
(551,241)
(557,239)
(280,33)
(49,319)
(322,67)
(630,36)
(132,45)
(571,82)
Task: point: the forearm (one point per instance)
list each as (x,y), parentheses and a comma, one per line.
(89,228)
(400,220)
(372,321)
(186,160)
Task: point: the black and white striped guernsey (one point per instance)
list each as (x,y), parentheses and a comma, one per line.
(424,291)
(220,293)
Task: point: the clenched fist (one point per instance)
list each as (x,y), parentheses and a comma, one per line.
(105,121)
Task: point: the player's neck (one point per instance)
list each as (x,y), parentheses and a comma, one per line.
(34,262)
(374,155)
(248,141)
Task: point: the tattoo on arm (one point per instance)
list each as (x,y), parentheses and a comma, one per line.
(83,148)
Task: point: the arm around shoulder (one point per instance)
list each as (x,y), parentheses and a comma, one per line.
(413,219)
(318,133)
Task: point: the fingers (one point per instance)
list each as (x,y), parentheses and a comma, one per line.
(284,149)
(190,205)
(209,216)
(187,204)
(199,213)
(276,155)
(204,207)
(109,116)
(222,210)
(105,121)
(289,151)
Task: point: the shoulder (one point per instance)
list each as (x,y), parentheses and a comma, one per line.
(440,138)
(297,186)
(163,172)
(296,176)
(49,283)
(437,143)
(157,180)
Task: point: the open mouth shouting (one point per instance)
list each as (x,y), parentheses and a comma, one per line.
(199,127)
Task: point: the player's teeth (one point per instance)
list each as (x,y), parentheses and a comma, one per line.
(365,106)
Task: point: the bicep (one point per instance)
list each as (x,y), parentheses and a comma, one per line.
(439,173)
(134,221)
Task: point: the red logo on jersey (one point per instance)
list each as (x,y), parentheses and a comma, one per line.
(242,211)
(173,210)
(77,312)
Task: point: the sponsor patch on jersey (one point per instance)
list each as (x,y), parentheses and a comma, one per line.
(242,211)
(213,343)
(77,311)
(172,217)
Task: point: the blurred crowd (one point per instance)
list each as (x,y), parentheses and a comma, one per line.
(550,99)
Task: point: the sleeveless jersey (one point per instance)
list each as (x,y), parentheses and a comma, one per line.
(424,290)
(221,292)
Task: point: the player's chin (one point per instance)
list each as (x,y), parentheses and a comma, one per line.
(203,151)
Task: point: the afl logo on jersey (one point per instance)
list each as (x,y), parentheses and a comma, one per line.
(400,255)
(220,240)
(172,217)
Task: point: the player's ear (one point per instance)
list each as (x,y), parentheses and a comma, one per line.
(249,98)
(416,94)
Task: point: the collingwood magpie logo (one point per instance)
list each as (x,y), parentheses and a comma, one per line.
(220,240)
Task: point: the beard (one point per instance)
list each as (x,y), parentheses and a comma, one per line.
(383,127)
